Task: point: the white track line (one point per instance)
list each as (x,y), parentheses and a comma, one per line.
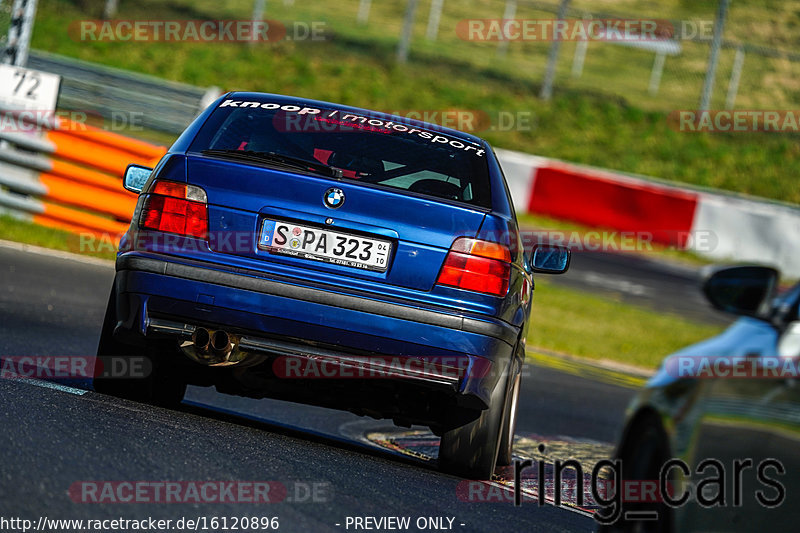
(50,385)
(30,248)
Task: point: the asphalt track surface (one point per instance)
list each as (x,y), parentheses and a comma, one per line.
(52,438)
(645,280)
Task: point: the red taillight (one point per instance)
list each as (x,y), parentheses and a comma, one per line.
(476,265)
(175,207)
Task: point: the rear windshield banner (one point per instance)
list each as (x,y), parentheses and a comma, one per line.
(296,118)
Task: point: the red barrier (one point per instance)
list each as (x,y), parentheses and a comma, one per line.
(569,193)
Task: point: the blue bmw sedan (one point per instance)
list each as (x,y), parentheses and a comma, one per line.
(324,254)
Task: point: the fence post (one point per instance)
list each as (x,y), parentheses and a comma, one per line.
(580,53)
(509,13)
(211,94)
(258,15)
(23,13)
(736,74)
(713,59)
(434,16)
(363,11)
(552,57)
(408,26)
(579,58)
(110,9)
(655,74)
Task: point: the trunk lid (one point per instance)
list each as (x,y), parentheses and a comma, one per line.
(241,196)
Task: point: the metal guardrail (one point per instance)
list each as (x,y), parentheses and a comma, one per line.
(162,105)
(70,177)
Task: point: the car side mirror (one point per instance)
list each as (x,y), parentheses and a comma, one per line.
(135,177)
(741,290)
(789,343)
(550,259)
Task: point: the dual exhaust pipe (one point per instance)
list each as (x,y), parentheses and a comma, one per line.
(216,347)
(215,344)
(213,347)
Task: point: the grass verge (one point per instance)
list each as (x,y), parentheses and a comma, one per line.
(598,327)
(14,229)
(586,121)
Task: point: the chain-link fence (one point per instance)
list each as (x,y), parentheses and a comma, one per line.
(757,68)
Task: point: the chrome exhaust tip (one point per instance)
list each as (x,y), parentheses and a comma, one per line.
(216,347)
(201,339)
(221,344)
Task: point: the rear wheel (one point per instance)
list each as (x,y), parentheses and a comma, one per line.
(160,383)
(505,453)
(470,451)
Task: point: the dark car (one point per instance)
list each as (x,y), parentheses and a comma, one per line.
(309,251)
(715,434)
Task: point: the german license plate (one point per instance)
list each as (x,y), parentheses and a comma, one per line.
(325,245)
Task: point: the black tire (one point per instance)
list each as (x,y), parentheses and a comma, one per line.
(643,454)
(162,385)
(505,452)
(470,451)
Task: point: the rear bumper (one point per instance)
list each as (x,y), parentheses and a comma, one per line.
(154,290)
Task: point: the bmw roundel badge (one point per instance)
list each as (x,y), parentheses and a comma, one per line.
(333,198)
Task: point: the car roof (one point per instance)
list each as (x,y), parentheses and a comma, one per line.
(283,99)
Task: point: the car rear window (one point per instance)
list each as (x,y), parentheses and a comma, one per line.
(367,148)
